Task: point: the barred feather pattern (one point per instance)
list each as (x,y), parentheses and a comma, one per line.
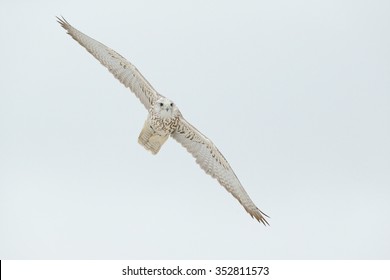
(211,160)
(122,69)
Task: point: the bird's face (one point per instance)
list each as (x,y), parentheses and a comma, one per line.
(165,108)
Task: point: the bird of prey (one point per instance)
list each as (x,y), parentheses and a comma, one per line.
(164,120)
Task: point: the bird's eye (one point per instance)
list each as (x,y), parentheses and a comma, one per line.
(171,104)
(161,104)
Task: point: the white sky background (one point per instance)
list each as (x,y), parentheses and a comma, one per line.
(296,94)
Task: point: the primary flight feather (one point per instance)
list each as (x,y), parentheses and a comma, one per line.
(165,119)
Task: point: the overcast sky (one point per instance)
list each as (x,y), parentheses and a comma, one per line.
(296,94)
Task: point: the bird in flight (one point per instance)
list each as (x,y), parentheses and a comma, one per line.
(164,120)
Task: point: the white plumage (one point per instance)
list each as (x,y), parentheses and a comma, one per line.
(165,120)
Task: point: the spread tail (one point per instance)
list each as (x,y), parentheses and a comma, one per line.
(150,139)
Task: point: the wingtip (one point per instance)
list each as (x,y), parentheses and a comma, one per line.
(61,20)
(260,217)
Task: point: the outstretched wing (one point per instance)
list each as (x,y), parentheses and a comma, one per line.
(214,163)
(123,70)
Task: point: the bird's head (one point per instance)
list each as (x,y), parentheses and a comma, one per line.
(165,108)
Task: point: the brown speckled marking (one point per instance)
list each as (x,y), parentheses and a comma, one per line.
(163,126)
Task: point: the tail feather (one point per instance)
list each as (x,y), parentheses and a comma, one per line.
(151,140)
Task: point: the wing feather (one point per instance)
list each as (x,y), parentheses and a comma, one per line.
(122,69)
(214,163)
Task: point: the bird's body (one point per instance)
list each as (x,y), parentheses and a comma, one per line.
(162,121)
(165,120)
